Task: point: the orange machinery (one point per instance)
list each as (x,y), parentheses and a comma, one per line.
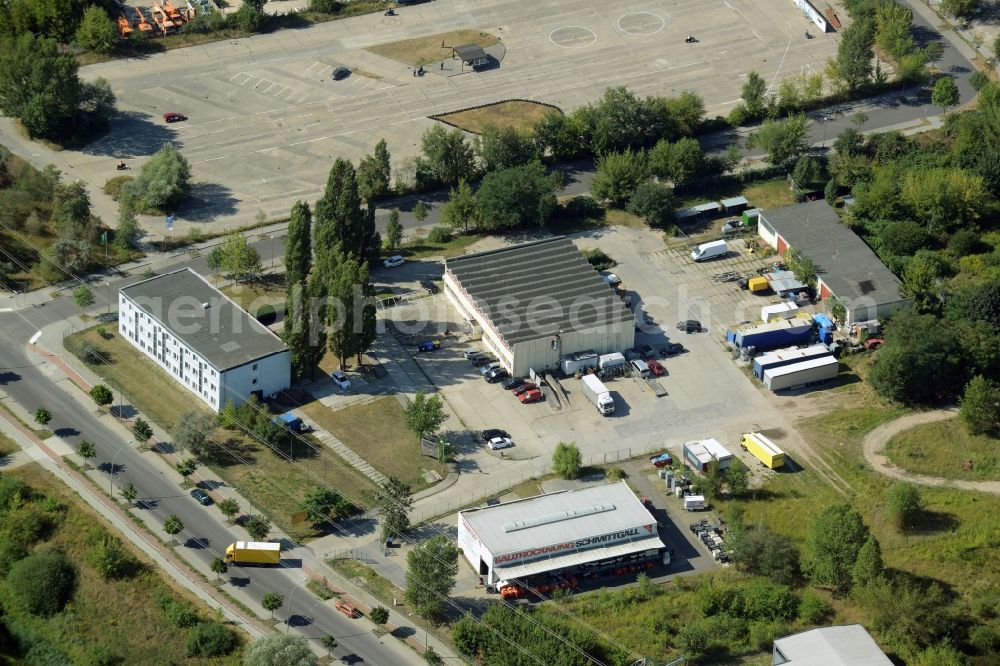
(124,28)
(172,12)
(162,20)
(143,25)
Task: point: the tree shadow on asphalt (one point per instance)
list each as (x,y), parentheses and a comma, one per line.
(206,201)
(133,135)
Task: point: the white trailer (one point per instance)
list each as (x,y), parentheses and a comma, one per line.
(813,371)
(598,394)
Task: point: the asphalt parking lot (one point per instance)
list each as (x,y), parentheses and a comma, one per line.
(265,120)
(707,394)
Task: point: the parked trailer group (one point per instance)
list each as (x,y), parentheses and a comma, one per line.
(773,335)
(803,373)
(700,454)
(787,356)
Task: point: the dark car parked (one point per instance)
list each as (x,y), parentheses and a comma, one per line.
(512,383)
(201,497)
(490,433)
(496,375)
(689,326)
(340,73)
(429,286)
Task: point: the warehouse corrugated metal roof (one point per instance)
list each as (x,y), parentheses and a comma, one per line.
(224,334)
(848,645)
(537,289)
(846,264)
(560,517)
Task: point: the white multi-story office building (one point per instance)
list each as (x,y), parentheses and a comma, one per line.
(202,339)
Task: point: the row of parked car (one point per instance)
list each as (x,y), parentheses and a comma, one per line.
(493,372)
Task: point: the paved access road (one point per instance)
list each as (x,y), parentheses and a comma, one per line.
(30,382)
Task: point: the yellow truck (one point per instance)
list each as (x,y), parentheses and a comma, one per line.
(763,449)
(253,552)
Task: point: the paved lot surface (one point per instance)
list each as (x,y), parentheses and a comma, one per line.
(707,394)
(265,119)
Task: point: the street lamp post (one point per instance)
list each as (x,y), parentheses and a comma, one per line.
(108,284)
(288,620)
(111,472)
(273,260)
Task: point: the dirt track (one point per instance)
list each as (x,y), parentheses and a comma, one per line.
(876,440)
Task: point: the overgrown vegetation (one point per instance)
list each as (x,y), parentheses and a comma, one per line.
(48,232)
(74,593)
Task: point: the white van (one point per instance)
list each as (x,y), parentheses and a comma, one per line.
(694,502)
(640,368)
(711,250)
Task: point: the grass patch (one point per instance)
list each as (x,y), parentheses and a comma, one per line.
(616,217)
(771,193)
(519,114)
(273,484)
(368,578)
(321,589)
(119,617)
(270,290)
(277,486)
(421,248)
(132,375)
(432,48)
(942,449)
(7,445)
(376,431)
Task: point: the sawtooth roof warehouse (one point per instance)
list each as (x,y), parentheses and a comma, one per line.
(576,532)
(536,302)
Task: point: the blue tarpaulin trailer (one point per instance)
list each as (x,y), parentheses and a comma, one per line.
(290,421)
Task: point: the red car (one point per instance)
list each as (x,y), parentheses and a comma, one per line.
(531,395)
(656,368)
(174,117)
(527,386)
(873,343)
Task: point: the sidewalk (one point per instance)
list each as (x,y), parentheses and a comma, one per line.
(312,565)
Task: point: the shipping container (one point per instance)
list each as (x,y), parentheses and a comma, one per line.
(612,360)
(775,334)
(750,216)
(763,449)
(578,362)
(698,454)
(787,356)
(758,284)
(812,371)
(777,311)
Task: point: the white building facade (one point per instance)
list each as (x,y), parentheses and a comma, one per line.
(202,339)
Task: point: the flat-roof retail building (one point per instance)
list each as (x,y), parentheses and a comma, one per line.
(537,302)
(848,268)
(567,533)
(207,343)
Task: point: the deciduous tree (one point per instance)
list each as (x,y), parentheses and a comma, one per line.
(516,197)
(142,431)
(393,502)
(424,415)
(430,576)
(83,297)
(505,147)
(461,211)
(42,416)
(129,493)
(279,650)
(186,467)
(754,94)
(979,409)
(86,451)
(945,93)
(239,259)
(304,328)
(782,140)
(374,172)
(219,567)
(566,460)
(905,504)
(869,567)
(323,505)
(272,601)
(835,538)
(447,157)
(394,230)
(163,181)
(193,433)
(173,525)
(258,528)
(618,175)
(229,508)
(654,202)
(96,32)
(102,395)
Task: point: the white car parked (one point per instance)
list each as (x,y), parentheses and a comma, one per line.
(500,443)
(340,379)
(394,261)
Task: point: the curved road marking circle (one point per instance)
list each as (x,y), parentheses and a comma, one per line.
(568,37)
(641,26)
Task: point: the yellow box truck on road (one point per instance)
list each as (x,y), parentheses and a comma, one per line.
(762,449)
(253,552)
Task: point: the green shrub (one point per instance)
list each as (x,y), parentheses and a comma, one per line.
(326,6)
(813,609)
(115,186)
(760,635)
(11,487)
(738,116)
(108,556)
(42,583)
(692,640)
(599,259)
(211,639)
(181,615)
(984,638)
(439,234)
(764,600)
